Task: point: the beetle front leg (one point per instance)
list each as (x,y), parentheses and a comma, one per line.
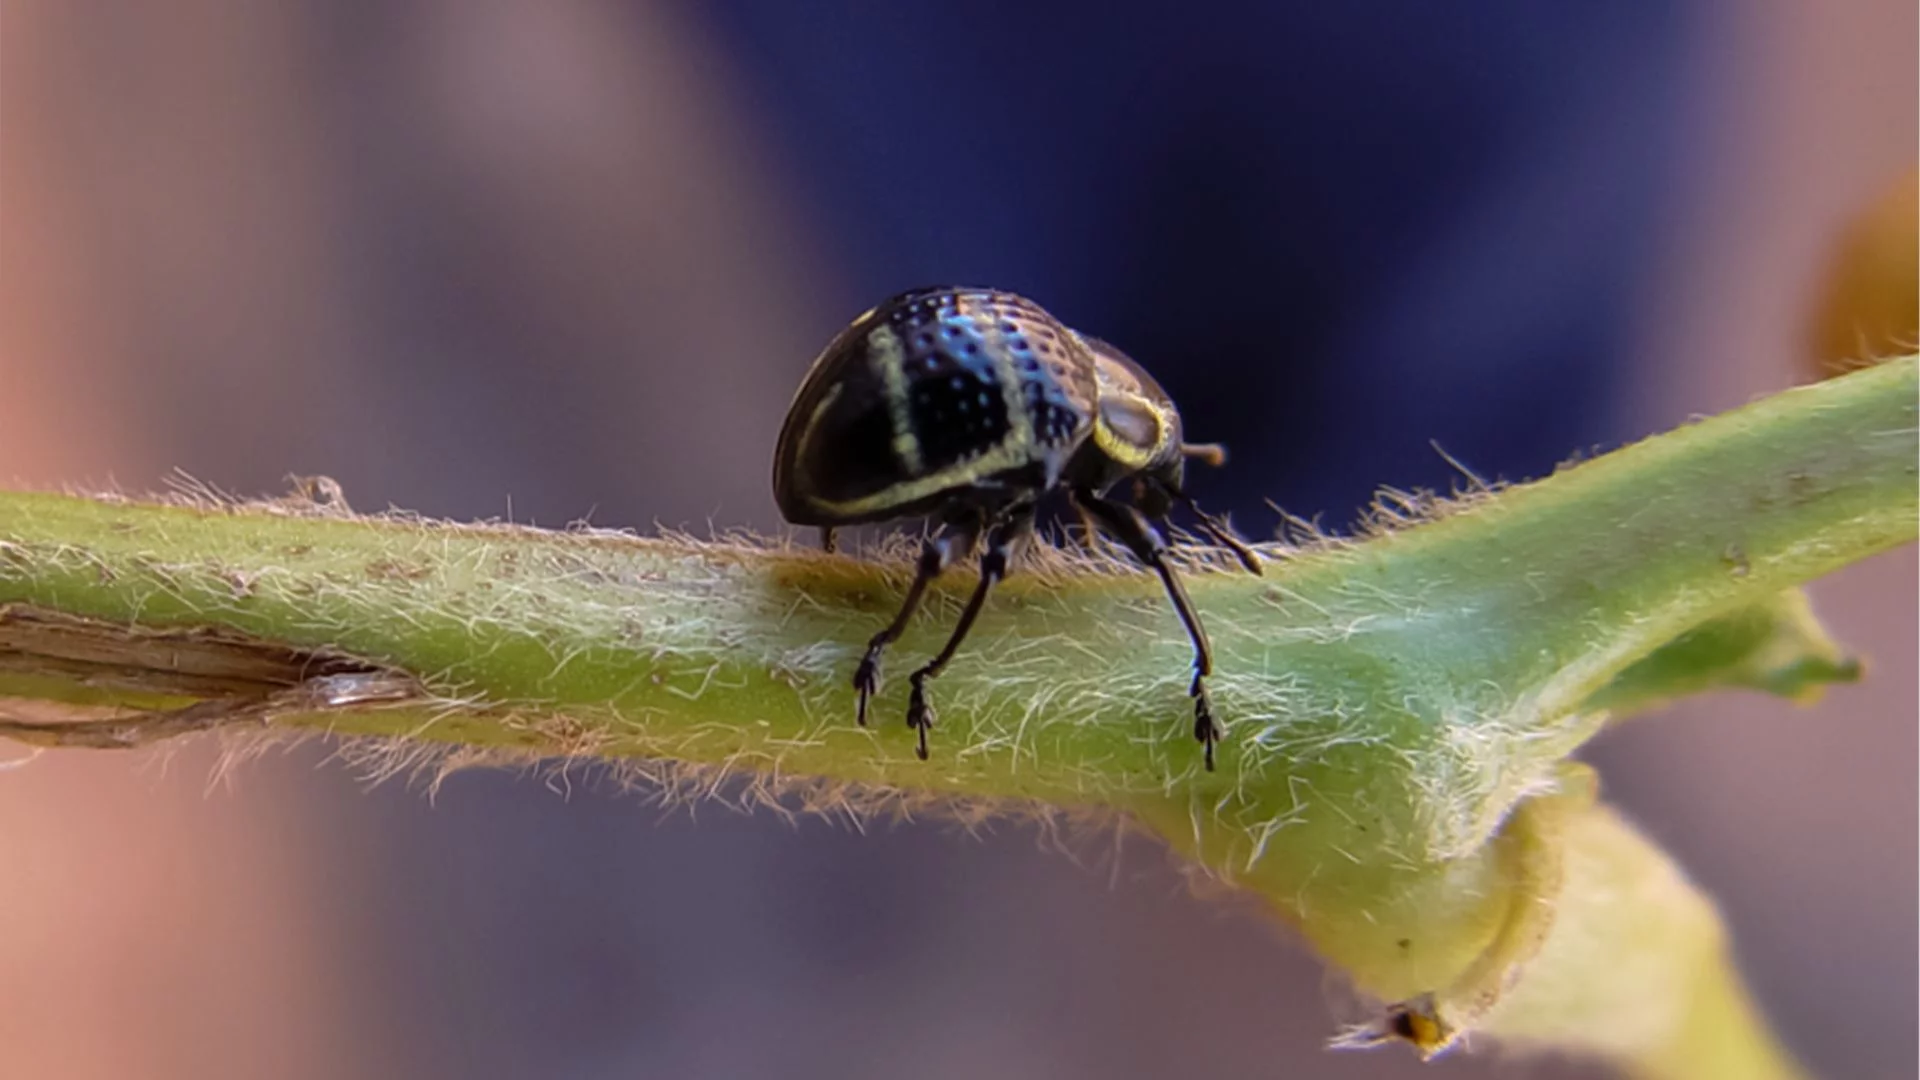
(1126,525)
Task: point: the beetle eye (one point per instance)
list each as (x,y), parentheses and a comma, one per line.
(1132,420)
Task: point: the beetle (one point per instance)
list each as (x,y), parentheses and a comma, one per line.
(966,406)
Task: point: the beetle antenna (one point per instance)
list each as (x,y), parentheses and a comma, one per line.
(1210,453)
(1221,533)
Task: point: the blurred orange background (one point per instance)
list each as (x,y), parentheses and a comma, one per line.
(184,281)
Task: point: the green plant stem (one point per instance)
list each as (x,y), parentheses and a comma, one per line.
(1390,702)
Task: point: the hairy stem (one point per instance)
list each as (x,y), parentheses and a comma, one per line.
(1389,702)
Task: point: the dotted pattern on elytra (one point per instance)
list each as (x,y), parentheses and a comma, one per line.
(955,359)
(1041,357)
(1044,368)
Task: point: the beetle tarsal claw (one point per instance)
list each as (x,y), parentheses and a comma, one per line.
(1206,730)
(920,716)
(866,683)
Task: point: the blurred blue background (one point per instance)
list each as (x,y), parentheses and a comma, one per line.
(1336,232)
(554,261)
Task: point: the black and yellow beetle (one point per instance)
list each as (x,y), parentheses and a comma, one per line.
(965,406)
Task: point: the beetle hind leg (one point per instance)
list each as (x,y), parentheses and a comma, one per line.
(937,552)
(1001,541)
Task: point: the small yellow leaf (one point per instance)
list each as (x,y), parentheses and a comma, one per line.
(1870,296)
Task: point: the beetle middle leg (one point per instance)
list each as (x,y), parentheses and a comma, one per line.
(937,552)
(1126,525)
(1001,540)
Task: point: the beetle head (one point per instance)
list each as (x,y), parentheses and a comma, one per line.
(1137,433)
(1136,429)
